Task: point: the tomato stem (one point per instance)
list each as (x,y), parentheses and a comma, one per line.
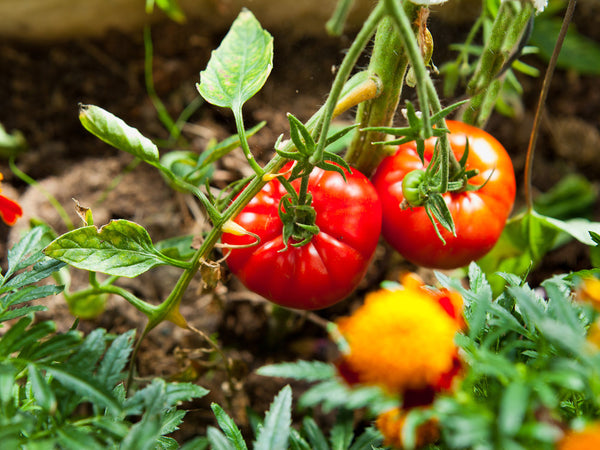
(343,73)
(390,67)
(542,100)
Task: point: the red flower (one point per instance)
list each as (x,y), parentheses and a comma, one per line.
(10,210)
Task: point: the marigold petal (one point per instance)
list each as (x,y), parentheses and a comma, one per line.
(585,439)
(10,210)
(400,339)
(391,422)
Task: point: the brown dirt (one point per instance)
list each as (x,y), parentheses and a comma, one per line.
(40,87)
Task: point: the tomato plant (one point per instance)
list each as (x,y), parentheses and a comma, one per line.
(327,268)
(479,214)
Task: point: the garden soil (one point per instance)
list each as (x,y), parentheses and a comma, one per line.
(40,88)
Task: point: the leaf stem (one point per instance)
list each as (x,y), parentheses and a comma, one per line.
(542,100)
(239,123)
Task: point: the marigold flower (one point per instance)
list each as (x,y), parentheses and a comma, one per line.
(589,291)
(585,439)
(391,423)
(403,339)
(10,210)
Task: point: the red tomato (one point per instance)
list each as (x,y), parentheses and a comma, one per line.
(330,266)
(479,216)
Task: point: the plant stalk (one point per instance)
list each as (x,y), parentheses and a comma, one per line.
(542,100)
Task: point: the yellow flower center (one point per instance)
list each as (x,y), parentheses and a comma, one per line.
(400,339)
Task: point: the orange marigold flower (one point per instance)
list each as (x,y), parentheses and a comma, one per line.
(391,422)
(585,439)
(401,339)
(589,291)
(10,210)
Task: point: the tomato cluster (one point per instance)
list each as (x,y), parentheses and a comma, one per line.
(479,215)
(351,214)
(331,265)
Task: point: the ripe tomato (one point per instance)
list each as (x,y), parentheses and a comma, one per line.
(479,216)
(330,266)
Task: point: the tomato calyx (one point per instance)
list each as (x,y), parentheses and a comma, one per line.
(299,220)
(425,188)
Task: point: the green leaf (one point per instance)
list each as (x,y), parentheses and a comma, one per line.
(314,434)
(143,435)
(513,406)
(171,421)
(240,66)
(183,392)
(179,247)
(341,433)
(299,370)
(27,251)
(10,341)
(370,438)
(29,293)
(89,353)
(527,238)
(20,312)
(114,131)
(38,272)
(120,248)
(110,371)
(84,386)
(217,439)
(8,374)
(232,432)
(41,390)
(274,434)
(578,52)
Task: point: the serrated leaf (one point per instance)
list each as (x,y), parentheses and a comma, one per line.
(29,293)
(166,443)
(120,248)
(71,437)
(41,390)
(54,349)
(341,433)
(20,312)
(297,442)
(143,435)
(183,392)
(231,430)
(240,66)
(84,386)
(513,406)
(300,370)
(274,434)
(370,438)
(25,252)
(90,352)
(9,342)
(171,421)
(110,371)
(217,439)
(38,272)
(315,435)
(114,131)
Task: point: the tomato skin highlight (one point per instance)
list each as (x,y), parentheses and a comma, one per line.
(479,216)
(328,268)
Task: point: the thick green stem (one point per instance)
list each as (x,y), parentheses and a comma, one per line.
(505,35)
(411,46)
(343,73)
(388,63)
